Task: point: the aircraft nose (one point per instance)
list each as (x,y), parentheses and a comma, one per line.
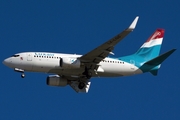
(6,62)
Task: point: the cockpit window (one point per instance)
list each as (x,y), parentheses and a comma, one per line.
(15,55)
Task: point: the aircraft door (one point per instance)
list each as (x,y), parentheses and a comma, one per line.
(28,64)
(29,57)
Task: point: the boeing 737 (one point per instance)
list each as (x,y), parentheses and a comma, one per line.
(77,70)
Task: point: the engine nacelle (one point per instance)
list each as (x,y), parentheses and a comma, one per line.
(69,63)
(55,80)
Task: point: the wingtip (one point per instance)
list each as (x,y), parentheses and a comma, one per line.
(133,24)
(173,50)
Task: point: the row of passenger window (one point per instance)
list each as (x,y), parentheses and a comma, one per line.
(47,57)
(60,57)
(113,61)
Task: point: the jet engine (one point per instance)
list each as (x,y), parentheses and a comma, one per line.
(69,63)
(55,80)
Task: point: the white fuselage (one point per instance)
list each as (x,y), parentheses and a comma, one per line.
(50,63)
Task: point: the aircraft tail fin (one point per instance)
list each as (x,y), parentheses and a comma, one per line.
(147,58)
(151,48)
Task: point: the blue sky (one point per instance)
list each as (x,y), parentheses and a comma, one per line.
(78,27)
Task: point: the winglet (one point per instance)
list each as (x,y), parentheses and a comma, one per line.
(133,24)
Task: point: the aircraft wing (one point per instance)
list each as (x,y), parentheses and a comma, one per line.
(92,58)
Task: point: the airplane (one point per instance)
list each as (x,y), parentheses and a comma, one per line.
(77,70)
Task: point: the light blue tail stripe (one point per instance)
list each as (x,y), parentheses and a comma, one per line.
(143,55)
(148,53)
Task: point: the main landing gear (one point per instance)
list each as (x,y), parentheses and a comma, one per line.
(81,85)
(87,73)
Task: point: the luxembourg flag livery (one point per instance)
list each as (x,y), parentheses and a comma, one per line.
(155,39)
(151,48)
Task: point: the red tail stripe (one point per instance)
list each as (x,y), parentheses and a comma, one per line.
(159,33)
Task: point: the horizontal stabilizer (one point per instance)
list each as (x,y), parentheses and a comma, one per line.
(154,72)
(158,60)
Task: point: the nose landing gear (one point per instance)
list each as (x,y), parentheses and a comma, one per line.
(22,75)
(21,71)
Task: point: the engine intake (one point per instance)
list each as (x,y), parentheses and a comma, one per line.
(55,80)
